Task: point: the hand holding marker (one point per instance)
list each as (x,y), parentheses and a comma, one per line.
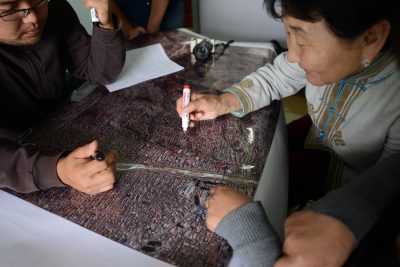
(185,102)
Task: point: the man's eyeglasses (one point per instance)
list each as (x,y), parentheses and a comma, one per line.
(19,14)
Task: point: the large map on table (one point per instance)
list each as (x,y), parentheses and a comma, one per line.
(157,206)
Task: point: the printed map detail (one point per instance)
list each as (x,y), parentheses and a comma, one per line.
(157,205)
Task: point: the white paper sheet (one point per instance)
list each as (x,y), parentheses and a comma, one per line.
(144,64)
(31,236)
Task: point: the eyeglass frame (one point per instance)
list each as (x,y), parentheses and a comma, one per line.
(25,11)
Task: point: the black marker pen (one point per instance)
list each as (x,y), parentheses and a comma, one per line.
(95,18)
(99,156)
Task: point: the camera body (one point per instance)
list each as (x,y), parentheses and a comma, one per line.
(202,48)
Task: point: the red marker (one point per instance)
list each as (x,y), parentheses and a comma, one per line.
(185,102)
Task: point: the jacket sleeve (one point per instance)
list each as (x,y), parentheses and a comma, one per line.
(99,58)
(23,169)
(392,142)
(360,204)
(251,235)
(270,82)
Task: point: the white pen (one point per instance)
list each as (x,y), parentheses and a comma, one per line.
(95,18)
(185,102)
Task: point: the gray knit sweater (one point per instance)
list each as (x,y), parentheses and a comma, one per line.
(358,205)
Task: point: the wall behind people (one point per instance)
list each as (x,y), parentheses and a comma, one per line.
(83,14)
(239,20)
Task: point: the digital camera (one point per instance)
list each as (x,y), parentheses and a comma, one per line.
(202,48)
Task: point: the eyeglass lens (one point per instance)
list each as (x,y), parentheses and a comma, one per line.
(19,14)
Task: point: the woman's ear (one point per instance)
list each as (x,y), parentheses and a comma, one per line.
(375,39)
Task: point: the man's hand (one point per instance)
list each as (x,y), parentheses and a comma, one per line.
(79,171)
(103,8)
(222,201)
(314,240)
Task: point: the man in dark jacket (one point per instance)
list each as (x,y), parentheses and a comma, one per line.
(39,41)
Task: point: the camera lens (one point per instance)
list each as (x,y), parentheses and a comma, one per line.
(202,50)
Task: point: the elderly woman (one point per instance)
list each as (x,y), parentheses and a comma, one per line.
(340,52)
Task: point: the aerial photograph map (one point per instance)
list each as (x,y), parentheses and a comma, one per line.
(164,175)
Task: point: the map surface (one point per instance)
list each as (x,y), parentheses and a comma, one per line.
(157,205)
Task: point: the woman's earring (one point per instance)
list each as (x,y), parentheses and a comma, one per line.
(365,62)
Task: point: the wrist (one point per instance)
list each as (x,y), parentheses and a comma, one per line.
(110,22)
(109,26)
(229,103)
(60,167)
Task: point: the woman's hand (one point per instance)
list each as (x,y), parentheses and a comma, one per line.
(222,201)
(208,106)
(79,171)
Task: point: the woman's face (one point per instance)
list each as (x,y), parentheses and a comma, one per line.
(324,57)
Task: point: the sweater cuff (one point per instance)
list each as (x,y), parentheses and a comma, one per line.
(243,98)
(45,171)
(249,232)
(107,36)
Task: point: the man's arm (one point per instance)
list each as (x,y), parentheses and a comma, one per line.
(323,235)
(251,235)
(24,169)
(98,59)
(234,216)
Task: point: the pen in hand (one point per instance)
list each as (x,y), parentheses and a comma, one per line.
(95,17)
(185,102)
(99,156)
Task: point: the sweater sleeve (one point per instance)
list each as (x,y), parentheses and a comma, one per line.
(360,204)
(392,142)
(251,235)
(270,82)
(23,169)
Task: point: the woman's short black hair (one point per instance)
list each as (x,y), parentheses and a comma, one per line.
(347,19)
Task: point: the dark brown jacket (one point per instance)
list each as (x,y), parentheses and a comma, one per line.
(32,83)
